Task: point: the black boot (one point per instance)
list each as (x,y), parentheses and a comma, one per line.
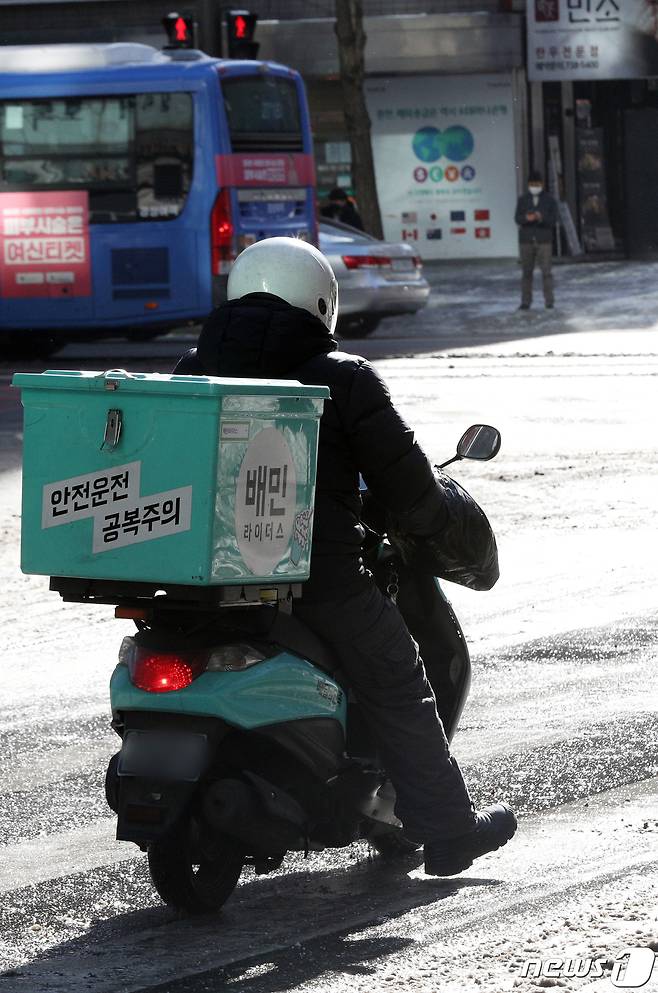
(493,828)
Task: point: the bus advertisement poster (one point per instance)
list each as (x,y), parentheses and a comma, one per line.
(44,244)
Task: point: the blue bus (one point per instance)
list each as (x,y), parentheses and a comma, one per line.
(130,178)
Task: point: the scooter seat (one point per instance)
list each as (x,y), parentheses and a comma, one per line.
(293,634)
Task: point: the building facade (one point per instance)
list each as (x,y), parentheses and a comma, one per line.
(446,94)
(464,96)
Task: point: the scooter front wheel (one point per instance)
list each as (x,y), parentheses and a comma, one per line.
(192,876)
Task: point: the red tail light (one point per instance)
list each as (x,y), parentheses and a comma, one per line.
(222,234)
(164,672)
(418,262)
(366,261)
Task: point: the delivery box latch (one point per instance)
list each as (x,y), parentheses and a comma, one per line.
(113,426)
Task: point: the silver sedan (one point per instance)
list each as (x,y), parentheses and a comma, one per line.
(375,278)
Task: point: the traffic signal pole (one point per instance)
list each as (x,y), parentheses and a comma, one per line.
(209,28)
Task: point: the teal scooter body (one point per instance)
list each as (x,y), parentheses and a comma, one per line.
(282,689)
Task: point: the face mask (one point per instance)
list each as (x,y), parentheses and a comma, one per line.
(535,190)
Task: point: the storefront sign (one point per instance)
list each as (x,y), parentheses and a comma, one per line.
(592,39)
(44,244)
(444,154)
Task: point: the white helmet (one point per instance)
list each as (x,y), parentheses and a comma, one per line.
(291,269)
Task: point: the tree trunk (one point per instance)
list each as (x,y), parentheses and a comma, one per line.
(351,47)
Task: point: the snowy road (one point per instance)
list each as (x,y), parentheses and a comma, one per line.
(562,718)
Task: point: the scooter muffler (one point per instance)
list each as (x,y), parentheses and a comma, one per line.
(236,808)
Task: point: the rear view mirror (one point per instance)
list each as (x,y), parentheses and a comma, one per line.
(480,442)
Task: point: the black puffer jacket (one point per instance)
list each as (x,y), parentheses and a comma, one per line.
(261,336)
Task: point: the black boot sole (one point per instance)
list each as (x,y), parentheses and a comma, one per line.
(451,864)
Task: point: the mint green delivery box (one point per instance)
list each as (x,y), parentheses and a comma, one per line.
(145,477)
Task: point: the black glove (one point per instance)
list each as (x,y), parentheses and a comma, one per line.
(462,551)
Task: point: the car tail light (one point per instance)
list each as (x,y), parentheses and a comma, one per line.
(222,232)
(418,262)
(164,672)
(366,261)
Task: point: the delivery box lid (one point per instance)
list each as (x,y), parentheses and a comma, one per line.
(163,383)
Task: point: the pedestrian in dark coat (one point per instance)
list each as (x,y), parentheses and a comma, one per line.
(342,208)
(536,214)
(289,336)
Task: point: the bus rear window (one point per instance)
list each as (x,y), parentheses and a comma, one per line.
(134,154)
(262,113)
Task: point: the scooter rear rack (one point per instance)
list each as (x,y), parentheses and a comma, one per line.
(172,597)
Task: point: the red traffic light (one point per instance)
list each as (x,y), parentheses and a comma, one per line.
(180,30)
(240,26)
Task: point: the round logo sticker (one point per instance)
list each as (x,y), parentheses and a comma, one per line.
(265,501)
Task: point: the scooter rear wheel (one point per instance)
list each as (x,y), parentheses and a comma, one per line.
(194,877)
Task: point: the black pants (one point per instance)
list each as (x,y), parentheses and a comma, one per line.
(381,660)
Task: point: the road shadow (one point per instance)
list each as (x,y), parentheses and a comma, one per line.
(268,919)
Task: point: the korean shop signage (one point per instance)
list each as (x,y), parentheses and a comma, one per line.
(44,244)
(112,499)
(592,39)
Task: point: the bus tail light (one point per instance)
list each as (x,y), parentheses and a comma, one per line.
(222,232)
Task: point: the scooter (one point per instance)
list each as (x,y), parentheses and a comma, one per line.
(241,740)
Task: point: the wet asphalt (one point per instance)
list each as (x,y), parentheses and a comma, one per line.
(563,712)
